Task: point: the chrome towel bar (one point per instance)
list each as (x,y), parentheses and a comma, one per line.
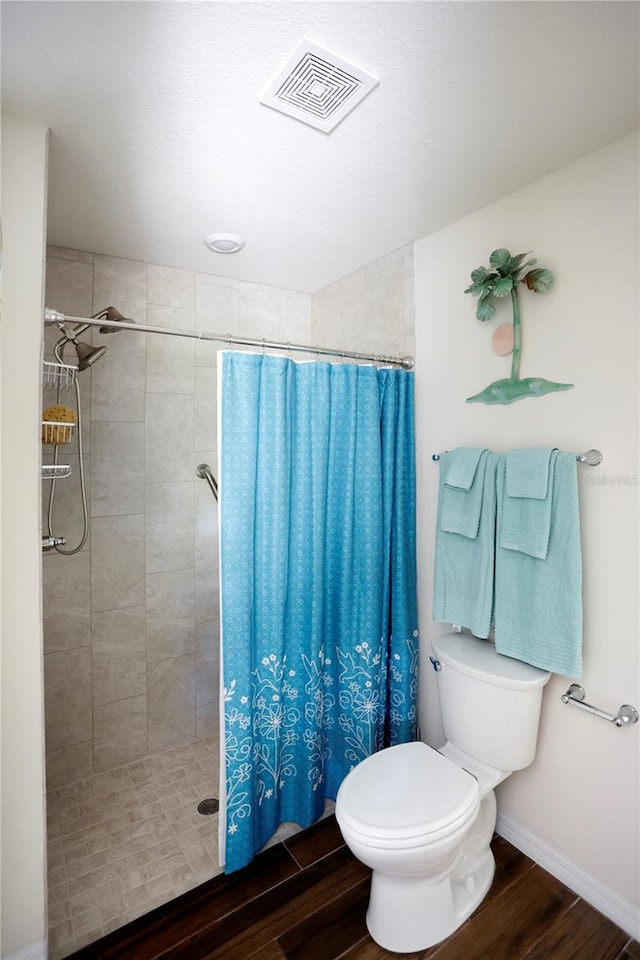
(575,695)
(592,458)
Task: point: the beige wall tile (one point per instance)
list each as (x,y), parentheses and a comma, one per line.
(207,720)
(120,732)
(179,318)
(207,681)
(295,309)
(169,525)
(67,697)
(170,614)
(208,663)
(170,365)
(118,378)
(171,287)
(208,639)
(206,354)
(69,764)
(117,468)
(217,305)
(384,278)
(66,601)
(121,284)
(171,702)
(259,311)
(69,289)
(207,579)
(206,425)
(117,562)
(169,437)
(370,310)
(119,654)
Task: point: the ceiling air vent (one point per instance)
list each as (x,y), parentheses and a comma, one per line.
(317,86)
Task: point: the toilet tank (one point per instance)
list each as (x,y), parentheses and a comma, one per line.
(490,703)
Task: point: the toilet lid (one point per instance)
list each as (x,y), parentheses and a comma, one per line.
(404,792)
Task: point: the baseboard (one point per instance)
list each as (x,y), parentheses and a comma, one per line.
(35,951)
(623,913)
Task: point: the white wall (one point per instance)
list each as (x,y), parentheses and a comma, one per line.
(24,162)
(580,798)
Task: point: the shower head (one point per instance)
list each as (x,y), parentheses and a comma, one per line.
(87,354)
(112,316)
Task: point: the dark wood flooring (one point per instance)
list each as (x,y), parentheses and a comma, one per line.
(306,899)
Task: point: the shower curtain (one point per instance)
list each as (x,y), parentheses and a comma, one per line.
(318,584)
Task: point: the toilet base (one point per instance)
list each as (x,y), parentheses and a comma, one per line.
(410,913)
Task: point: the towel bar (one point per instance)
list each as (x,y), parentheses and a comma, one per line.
(592,458)
(575,695)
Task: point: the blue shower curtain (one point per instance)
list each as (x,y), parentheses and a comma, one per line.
(318,584)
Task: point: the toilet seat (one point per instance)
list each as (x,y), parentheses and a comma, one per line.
(405,795)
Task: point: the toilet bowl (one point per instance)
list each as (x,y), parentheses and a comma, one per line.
(423,819)
(405,812)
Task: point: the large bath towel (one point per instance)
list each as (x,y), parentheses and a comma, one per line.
(464,565)
(538,602)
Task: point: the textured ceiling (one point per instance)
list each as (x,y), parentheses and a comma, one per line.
(158,136)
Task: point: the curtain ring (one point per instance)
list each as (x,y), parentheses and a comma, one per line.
(229,341)
(264,340)
(289,349)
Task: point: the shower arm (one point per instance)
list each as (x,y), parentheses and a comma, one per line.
(72,334)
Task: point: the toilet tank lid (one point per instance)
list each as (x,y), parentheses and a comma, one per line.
(478,658)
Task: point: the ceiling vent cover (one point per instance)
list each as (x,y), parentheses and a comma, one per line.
(317,86)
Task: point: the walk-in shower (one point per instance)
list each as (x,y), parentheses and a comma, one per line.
(131,621)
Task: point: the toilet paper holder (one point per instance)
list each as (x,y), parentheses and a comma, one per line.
(575,696)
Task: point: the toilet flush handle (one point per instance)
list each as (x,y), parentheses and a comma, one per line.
(435,664)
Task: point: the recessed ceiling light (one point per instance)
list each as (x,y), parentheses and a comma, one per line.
(224,242)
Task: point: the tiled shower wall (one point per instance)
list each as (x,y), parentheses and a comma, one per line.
(131,622)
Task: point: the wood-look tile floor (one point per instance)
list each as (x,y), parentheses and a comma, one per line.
(306,899)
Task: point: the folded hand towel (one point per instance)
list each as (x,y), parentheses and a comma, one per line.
(463,575)
(538,602)
(526,513)
(528,472)
(462,465)
(462,473)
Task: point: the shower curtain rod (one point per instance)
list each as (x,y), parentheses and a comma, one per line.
(54,317)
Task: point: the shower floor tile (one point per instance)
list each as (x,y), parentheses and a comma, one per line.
(126,841)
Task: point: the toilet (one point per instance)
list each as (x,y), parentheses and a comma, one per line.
(423,819)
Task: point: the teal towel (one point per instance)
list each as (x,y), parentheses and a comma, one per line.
(463,574)
(462,464)
(526,508)
(538,602)
(462,472)
(528,472)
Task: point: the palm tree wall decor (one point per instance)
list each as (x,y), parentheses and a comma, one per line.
(496,283)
